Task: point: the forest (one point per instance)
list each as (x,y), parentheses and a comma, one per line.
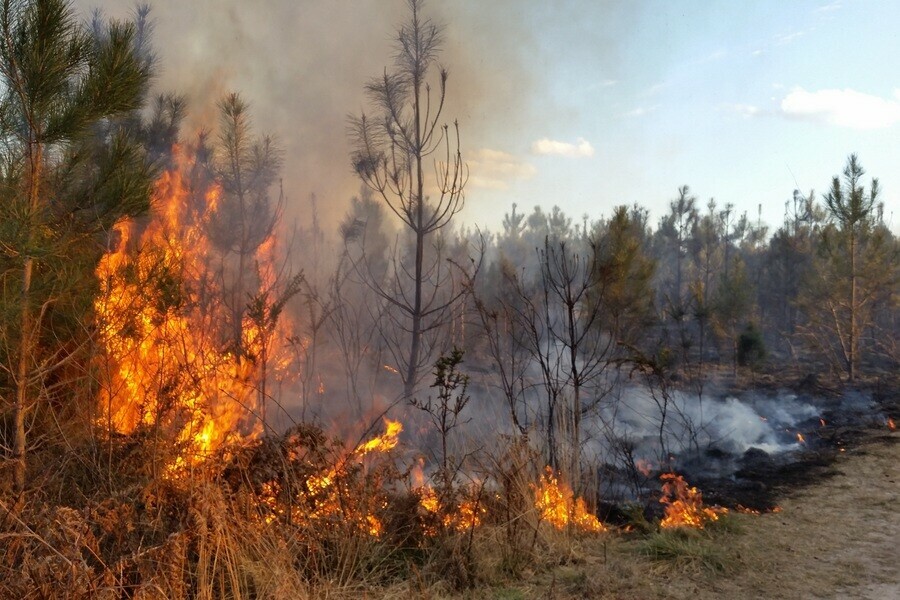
(202,397)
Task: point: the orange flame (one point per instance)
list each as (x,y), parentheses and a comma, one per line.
(467,514)
(324,498)
(558,506)
(800,438)
(644,466)
(382,443)
(684,504)
(159,315)
(891,425)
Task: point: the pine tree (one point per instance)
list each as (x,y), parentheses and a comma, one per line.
(62,184)
(853,263)
(391,156)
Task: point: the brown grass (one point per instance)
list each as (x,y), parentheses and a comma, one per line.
(836,539)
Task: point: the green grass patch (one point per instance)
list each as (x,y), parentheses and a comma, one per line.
(686,548)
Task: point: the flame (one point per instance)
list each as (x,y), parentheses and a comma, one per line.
(467,514)
(684,504)
(821,422)
(800,438)
(326,497)
(160,315)
(382,443)
(558,506)
(644,466)
(891,425)
(391,369)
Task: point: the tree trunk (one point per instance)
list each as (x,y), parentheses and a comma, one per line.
(26,343)
(22,377)
(853,308)
(575,475)
(412,370)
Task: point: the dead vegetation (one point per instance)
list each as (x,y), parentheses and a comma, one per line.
(264,524)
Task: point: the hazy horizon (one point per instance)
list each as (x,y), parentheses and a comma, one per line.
(584,105)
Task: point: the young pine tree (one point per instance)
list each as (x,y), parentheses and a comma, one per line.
(60,188)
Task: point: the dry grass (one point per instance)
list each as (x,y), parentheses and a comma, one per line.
(208,540)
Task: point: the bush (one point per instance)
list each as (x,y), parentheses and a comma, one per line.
(751,348)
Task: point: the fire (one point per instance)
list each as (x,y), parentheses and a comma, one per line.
(821,421)
(466,516)
(800,438)
(382,443)
(644,466)
(326,497)
(684,504)
(891,425)
(559,507)
(160,315)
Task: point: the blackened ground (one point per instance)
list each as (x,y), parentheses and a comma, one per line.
(850,419)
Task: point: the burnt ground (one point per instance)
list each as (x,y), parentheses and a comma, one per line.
(834,537)
(850,420)
(834,533)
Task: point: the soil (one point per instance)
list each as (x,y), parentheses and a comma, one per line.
(834,539)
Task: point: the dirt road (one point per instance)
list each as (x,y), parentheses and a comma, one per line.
(837,539)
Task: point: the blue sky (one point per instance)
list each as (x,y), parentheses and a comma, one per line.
(584,104)
(743,101)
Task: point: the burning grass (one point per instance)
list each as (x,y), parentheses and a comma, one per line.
(185,494)
(684,505)
(560,508)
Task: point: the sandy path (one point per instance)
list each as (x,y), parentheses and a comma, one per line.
(837,539)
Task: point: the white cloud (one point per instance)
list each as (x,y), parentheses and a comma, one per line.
(745,110)
(640,111)
(545,146)
(786,39)
(833,6)
(844,108)
(495,170)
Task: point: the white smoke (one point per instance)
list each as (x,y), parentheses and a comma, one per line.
(691,424)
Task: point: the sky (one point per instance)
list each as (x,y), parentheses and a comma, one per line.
(584,104)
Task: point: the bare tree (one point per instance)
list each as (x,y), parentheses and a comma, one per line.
(391,152)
